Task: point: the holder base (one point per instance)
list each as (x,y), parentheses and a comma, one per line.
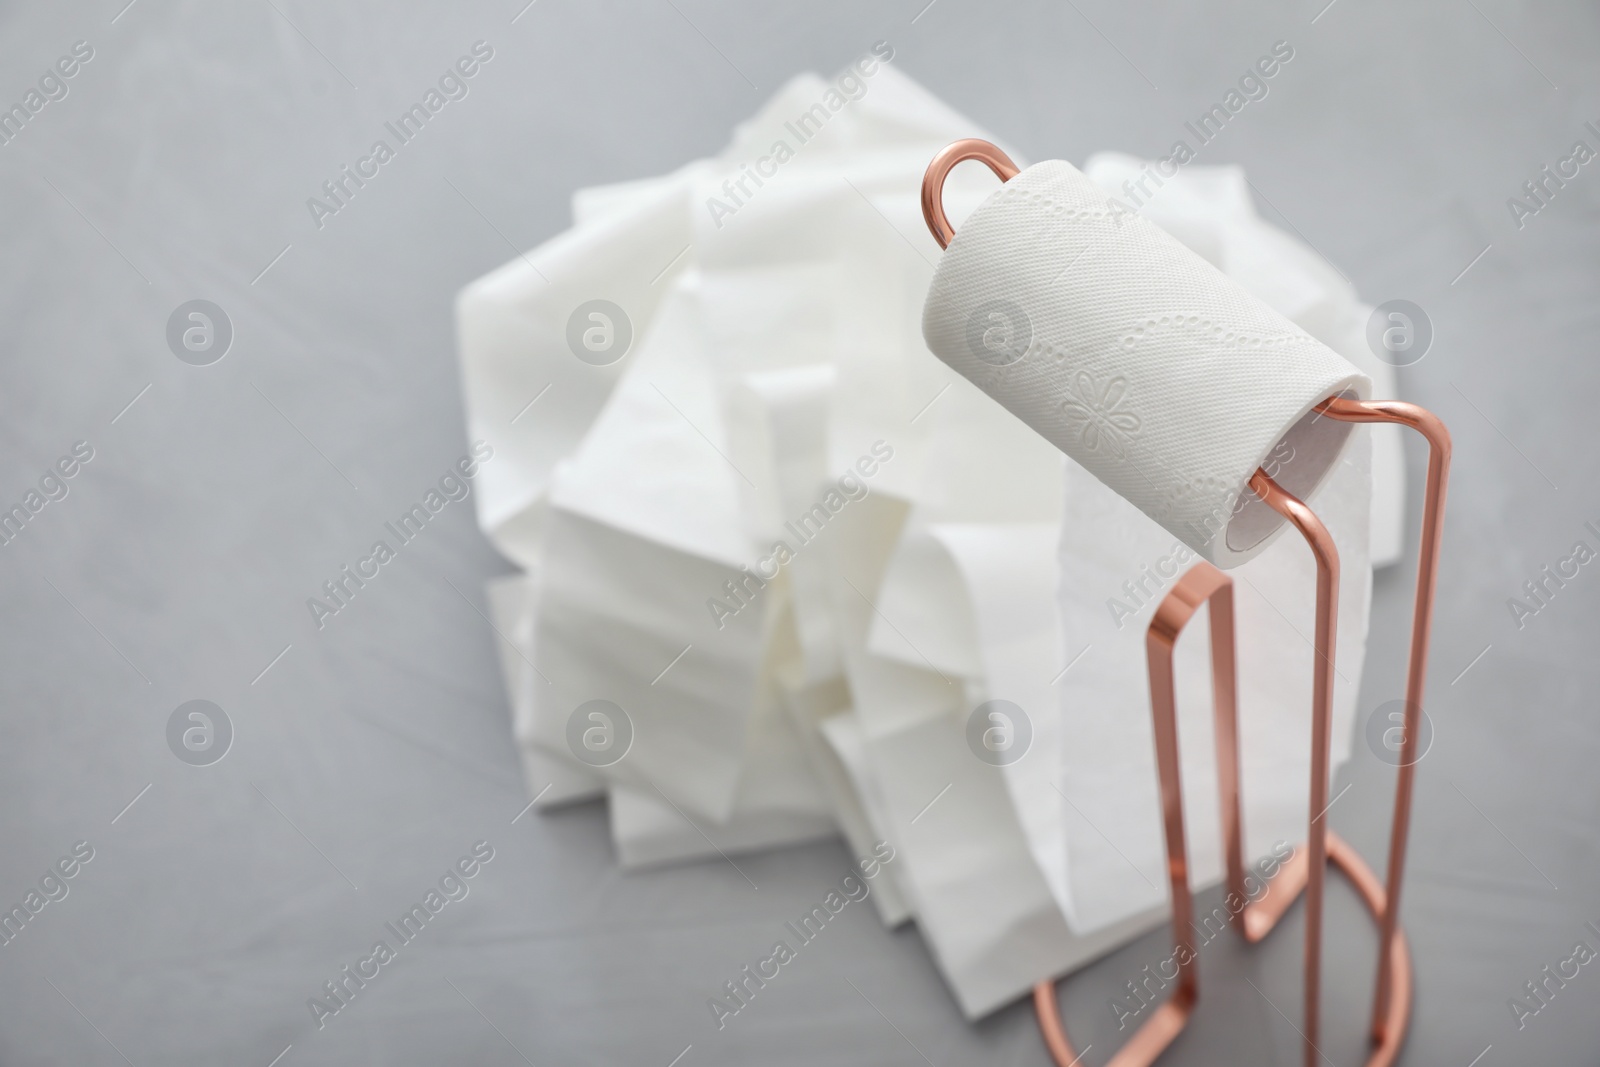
(1159,1031)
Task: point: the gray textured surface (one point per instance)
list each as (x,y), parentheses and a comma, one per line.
(375,752)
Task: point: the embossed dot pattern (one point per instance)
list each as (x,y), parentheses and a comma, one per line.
(1147,365)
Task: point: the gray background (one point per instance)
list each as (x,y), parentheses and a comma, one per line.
(375,752)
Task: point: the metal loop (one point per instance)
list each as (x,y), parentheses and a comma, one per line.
(938,170)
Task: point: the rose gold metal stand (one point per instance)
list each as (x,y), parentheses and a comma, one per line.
(1306,871)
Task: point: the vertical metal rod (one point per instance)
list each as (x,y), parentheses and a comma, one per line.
(1431,427)
(1200,585)
(1225,716)
(1327,557)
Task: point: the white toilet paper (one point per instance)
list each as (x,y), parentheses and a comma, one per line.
(1136,357)
(1211,209)
(621,502)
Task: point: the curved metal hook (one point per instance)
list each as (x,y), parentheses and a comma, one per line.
(938,170)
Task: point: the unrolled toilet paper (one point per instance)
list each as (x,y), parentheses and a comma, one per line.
(1137,358)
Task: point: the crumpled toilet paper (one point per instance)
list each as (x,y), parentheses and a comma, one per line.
(795,557)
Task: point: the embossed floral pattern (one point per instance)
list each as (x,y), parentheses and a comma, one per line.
(1097,413)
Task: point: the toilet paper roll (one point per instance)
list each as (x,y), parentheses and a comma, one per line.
(1137,358)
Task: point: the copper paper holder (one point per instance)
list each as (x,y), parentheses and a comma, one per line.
(1307,871)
